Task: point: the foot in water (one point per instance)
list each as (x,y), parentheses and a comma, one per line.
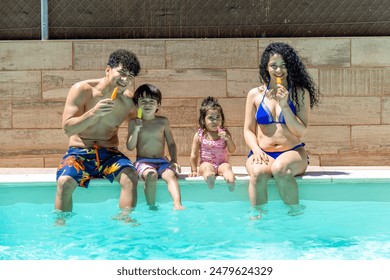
(62,217)
(296,210)
(210,181)
(124,216)
(231,186)
(257,212)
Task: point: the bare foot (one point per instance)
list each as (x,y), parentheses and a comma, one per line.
(178,207)
(210,181)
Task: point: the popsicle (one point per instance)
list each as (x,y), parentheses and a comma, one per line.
(139,113)
(219,129)
(278,81)
(114,92)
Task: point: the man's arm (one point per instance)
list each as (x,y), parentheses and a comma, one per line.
(74,119)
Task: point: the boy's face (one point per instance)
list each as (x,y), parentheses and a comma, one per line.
(149,105)
(120,77)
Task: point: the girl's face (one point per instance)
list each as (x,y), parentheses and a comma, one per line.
(213,120)
(277,68)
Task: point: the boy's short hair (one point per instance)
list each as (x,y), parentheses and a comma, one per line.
(127,59)
(147,91)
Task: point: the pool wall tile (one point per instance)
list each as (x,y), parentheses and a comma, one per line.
(56,84)
(93,55)
(372,138)
(5,114)
(37,114)
(212,53)
(188,83)
(370,52)
(240,81)
(17,85)
(360,110)
(35,55)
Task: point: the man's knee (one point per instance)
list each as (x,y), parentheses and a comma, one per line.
(66,184)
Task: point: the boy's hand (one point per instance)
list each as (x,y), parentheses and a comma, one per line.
(138,124)
(176,166)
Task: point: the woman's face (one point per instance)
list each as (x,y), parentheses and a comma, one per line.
(277,68)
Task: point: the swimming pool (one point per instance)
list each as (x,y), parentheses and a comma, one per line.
(344,220)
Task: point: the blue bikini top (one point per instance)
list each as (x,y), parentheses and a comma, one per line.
(264,114)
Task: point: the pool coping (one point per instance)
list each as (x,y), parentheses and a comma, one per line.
(312,174)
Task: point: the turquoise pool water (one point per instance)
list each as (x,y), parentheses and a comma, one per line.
(343,221)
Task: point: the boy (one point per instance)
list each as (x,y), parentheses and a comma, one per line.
(91,119)
(148,134)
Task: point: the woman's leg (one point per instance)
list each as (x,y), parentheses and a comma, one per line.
(259,174)
(284,169)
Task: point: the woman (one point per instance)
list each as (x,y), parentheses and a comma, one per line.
(276,119)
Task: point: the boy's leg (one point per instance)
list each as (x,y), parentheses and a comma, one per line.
(65,187)
(150,176)
(128,180)
(173,187)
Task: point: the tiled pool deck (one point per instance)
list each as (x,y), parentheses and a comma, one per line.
(313,173)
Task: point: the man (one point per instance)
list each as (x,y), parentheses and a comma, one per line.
(91,120)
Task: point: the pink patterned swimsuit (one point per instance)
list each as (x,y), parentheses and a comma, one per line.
(212,151)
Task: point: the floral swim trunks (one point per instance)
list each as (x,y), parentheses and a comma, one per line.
(84,164)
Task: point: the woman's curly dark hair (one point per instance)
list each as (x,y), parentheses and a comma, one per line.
(210,103)
(297,77)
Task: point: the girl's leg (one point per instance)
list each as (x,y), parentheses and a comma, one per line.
(225,170)
(207,170)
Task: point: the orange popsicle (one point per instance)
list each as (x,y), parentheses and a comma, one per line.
(139,113)
(278,81)
(114,92)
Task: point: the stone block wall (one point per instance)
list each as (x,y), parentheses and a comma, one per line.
(351,126)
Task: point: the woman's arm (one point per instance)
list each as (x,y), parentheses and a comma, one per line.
(250,122)
(298,123)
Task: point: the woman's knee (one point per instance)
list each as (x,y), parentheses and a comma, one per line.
(280,169)
(260,171)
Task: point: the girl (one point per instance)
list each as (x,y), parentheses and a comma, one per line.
(212,143)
